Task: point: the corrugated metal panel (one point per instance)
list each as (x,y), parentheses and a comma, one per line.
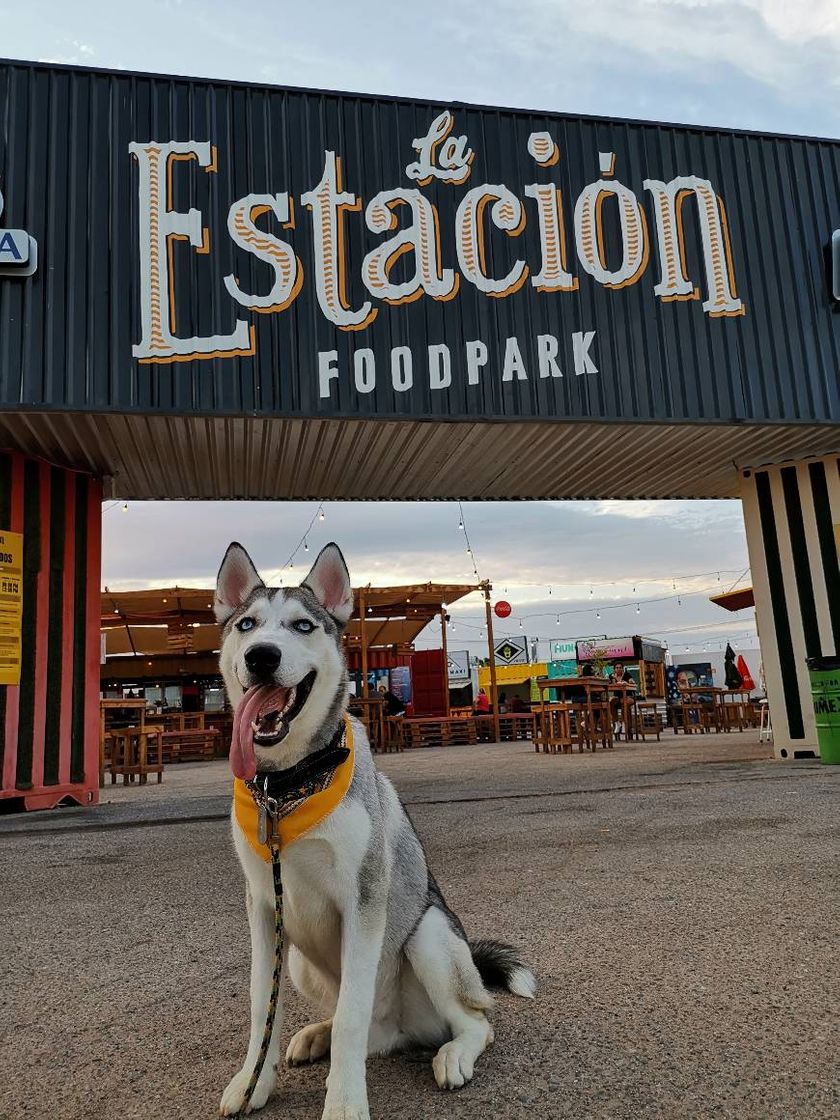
(66,335)
(195,457)
(49,743)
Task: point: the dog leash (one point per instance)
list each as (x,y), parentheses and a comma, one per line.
(278,957)
(289,786)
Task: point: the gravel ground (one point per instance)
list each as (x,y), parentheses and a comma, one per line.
(678,902)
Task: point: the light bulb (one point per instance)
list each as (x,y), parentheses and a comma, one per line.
(305,546)
(321,515)
(460,524)
(558,620)
(597,614)
(125,507)
(638,609)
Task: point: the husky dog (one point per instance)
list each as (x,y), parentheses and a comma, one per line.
(371,941)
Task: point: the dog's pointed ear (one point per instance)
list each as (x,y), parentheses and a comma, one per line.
(236,580)
(329,582)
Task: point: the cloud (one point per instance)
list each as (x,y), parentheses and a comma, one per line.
(790,47)
(547,558)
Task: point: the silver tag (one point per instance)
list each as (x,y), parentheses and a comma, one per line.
(262,828)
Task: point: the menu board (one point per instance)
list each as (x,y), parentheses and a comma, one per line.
(11,605)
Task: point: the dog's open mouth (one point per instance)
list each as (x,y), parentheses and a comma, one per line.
(277,709)
(263,718)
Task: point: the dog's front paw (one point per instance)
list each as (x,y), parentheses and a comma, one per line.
(345,1108)
(233,1097)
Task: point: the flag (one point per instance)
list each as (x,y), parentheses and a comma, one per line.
(744,670)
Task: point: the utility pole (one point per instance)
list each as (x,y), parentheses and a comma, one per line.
(487,587)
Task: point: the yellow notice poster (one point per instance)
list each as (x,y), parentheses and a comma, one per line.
(11,605)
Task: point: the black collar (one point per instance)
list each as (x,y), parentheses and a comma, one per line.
(309,769)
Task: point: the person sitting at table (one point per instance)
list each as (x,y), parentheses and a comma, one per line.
(503,703)
(393,705)
(620,676)
(516,704)
(578,695)
(481,706)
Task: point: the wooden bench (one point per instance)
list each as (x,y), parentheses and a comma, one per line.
(192,745)
(431,731)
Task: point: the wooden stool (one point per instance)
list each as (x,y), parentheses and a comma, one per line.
(683,718)
(647,720)
(553,732)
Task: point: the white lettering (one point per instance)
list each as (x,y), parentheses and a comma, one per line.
(589,233)
(364,370)
(476,359)
(328,203)
(158,228)
(421,238)
(402,368)
(507,214)
(547,349)
(455,156)
(288,271)
(581,341)
(674,283)
(440,367)
(327,371)
(514,366)
(552,276)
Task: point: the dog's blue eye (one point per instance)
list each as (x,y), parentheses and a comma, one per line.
(246,624)
(303,626)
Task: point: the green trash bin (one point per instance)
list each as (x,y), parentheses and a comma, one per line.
(825,690)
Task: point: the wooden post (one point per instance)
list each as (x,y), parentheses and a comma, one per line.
(363,638)
(491,648)
(447,708)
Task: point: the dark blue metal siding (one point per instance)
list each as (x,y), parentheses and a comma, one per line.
(66,335)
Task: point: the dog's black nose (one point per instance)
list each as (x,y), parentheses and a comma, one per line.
(263,659)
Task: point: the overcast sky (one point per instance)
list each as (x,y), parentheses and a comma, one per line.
(764,64)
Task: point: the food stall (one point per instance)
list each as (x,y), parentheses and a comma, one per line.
(643,660)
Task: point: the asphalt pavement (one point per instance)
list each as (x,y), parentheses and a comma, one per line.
(678,901)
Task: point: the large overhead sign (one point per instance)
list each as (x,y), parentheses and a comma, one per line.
(264,251)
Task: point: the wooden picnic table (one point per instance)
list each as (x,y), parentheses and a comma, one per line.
(371,711)
(727,714)
(136,718)
(594,688)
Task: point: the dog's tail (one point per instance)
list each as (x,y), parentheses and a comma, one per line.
(501,967)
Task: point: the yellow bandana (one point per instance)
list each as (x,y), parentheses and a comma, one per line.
(304,814)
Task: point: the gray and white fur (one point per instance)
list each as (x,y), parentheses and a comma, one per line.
(371,941)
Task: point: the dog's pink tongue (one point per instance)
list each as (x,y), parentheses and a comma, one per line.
(243,760)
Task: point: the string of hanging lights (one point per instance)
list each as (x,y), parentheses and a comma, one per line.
(302,545)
